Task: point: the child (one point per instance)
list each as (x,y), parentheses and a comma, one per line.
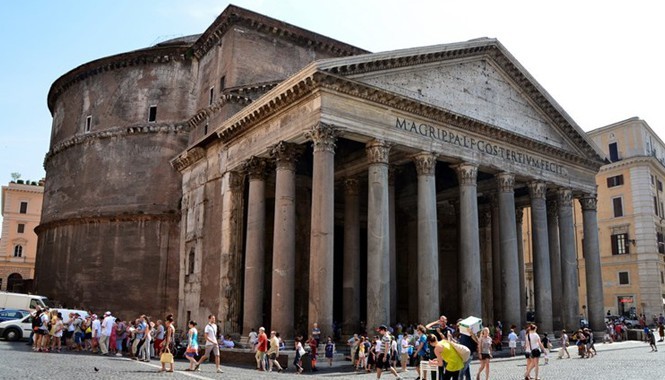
(652,341)
(330,350)
(547,345)
(512,341)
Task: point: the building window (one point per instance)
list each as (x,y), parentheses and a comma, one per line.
(655,206)
(212,96)
(652,179)
(661,242)
(222,83)
(662,277)
(191,258)
(205,129)
(617,180)
(623,278)
(618,207)
(152,114)
(614,152)
(21,228)
(660,185)
(23,209)
(18,251)
(620,244)
(88,123)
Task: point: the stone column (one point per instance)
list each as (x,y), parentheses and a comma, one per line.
(541,261)
(519,218)
(321,262)
(594,280)
(428,246)
(231,261)
(497,302)
(484,223)
(255,246)
(393,244)
(555,263)
(351,280)
(510,285)
(284,238)
(570,295)
(469,253)
(378,235)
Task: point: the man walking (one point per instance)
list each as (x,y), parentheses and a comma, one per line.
(261,349)
(211,344)
(383,350)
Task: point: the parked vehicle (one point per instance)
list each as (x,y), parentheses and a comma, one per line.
(630,323)
(16,329)
(22,301)
(11,314)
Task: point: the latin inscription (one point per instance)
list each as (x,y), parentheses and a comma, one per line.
(479,145)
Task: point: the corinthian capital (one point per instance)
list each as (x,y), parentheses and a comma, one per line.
(505,182)
(467,174)
(286,155)
(425,163)
(377,151)
(323,137)
(565,197)
(589,202)
(537,190)
(256,167)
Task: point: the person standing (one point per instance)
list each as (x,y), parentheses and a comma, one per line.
(300,351)
(405,345)
(120,335)
(159,336)
(106,327)
(253,339)
(485,352)
(652,341)
(261,348)
(211,346)
(421,351)
(96,333)
(273,352)
(512,342)
(144,351)
(547,345)
(316,333)
(329,350)
(471,342)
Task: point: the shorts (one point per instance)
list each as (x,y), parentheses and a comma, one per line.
(68,334)
(41,332)
(512,344)
(383,364)
(78,337)
(484,356)
(211,347)
(272,356)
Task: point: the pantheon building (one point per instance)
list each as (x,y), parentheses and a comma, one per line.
(276,177)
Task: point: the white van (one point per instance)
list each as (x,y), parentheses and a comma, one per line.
(21,328)
(21,301)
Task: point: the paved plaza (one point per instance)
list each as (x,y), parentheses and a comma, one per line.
(626,360)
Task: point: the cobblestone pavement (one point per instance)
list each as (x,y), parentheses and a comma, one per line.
(625,360)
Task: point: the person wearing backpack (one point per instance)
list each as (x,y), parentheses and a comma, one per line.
(449,360)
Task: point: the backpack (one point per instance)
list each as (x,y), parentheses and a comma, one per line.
(462,350)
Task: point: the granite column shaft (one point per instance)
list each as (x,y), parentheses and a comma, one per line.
(351,279)
(378,235)
(321,262)
(510,287)
(469,253)
(568,260)
(555,263)
(428,246)
(541,261)
(594,280)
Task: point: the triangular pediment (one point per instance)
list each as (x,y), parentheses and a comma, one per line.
(477,79)
(476,89)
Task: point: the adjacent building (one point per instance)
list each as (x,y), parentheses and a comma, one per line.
(21,211)
(631,218)
(273,176)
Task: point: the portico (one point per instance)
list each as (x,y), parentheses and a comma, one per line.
(350,243)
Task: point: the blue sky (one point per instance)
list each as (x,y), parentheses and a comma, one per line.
(599,59)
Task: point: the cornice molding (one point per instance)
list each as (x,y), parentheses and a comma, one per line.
(98,219)
(204,114)
(151,55)
(188,158)
(310,82)
(144,128)
(633,161)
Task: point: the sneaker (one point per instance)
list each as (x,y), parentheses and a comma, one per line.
(219,370)
(118,354)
